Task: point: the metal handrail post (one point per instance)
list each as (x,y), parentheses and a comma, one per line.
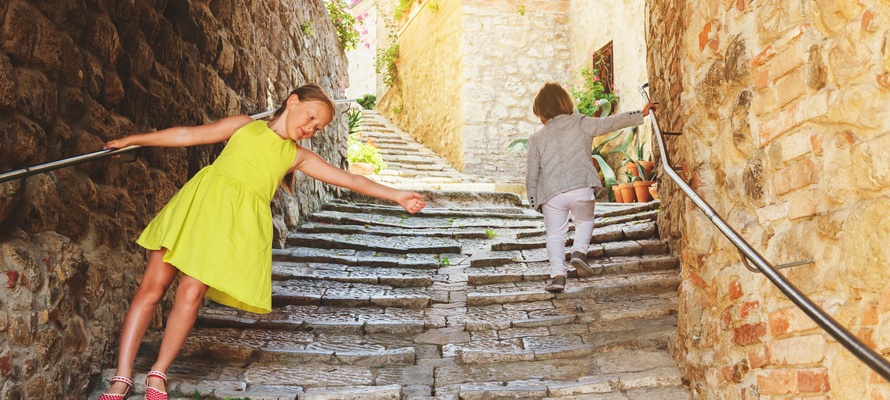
(67,162)
(867,355)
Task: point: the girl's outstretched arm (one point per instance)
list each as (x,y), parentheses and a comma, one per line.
(184,136)
(313,165)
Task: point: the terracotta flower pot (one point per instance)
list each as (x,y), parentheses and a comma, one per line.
(648,166)
(627,193)
(641,189)
(653,191)
(631,168)
(618,198)
(361,168)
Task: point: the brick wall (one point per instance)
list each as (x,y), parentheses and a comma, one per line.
(783,110)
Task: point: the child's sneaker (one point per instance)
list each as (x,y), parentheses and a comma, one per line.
(579,261)
(556,284)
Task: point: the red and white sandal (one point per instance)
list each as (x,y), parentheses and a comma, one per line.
(152,393)
(118,396)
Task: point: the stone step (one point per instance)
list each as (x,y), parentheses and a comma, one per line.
(366,258)
(560,315)
(536,238)
(458,200)
(434,212)
(539,270)
(395,277)
(388,244)
(350,294)
(284,346)
(313,227)
(334,319)
(514,221)
(526,291)
(612,372)
(577,341)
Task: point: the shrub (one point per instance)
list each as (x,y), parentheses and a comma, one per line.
(367,101)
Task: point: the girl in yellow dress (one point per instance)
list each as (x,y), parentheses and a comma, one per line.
(216,232)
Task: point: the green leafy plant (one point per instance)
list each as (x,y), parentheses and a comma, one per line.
(398,108)
(443,261)
(521,10)
(401,9)
(490,233)
(385,63)
(306,28)
(344,23)
(367,101)
(364,150)
(591,97)
(644,176)
(354,117)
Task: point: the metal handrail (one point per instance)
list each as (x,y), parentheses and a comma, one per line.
(67,162)
(868,356)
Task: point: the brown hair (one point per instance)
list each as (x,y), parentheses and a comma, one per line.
(552,100)
(307,92)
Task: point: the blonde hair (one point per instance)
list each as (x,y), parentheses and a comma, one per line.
(553,100)
(307,92)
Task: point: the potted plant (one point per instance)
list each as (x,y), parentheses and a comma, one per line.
(647,164)
(653,191)
(627,189)
(363,155)
(642,184)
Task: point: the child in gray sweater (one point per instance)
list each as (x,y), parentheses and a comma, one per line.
(561,177)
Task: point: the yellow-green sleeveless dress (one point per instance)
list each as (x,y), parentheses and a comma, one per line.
(218,227)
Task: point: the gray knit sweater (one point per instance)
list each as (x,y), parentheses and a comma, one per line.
(559,154)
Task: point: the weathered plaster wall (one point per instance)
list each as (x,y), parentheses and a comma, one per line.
(511,48)
(76,73)
(783,110)
(593,24)
(426,102)
(362,74)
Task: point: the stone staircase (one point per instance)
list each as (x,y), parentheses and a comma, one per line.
(412,166)
(370,302)
(373,303)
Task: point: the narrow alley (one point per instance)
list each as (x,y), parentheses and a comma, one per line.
(373,303)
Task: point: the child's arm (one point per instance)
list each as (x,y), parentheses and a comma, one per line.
(612,123)
(313,165)
(184,136)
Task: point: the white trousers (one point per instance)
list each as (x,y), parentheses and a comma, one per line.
(581,202)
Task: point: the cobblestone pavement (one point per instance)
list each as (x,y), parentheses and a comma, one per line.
(373,303)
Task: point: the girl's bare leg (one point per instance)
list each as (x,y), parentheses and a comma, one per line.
(185,311)
(158,277)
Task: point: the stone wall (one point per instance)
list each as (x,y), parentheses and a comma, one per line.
(511,49)
(76,73)
(784,118)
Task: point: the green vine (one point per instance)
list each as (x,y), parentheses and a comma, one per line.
(344,23)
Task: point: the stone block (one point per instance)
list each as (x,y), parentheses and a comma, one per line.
(808,349)
(795,114)
(806,204)
(799,174)
(780,381)
(780,93)
(748,334)
(788,321)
